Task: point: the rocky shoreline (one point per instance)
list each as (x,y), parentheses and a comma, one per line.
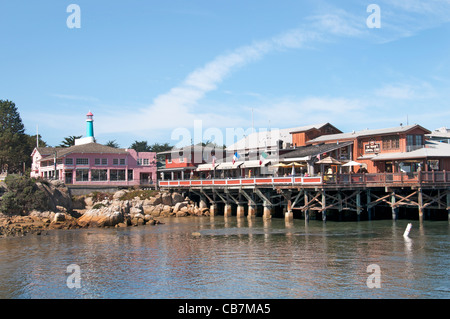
(102,210)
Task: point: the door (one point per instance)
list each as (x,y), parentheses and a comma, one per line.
(69,177)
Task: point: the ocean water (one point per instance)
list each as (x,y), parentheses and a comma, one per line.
(232,258)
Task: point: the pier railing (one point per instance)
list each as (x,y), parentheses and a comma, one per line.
(379,179)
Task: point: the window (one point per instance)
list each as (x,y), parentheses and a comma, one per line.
(82,175)
(419,140)
(169,158)
(99,175)
(104,161)
(115,161)
(409,140)
(69,161)
(146,161)
(97,162)
(82,161)
(130,174)
(181,157)
(139,161)
(122,161)
(391,142)
(117,175)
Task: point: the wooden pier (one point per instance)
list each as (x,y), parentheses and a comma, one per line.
(353,196)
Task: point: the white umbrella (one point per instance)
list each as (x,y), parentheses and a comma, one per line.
(352,163)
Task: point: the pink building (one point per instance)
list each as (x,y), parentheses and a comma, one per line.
(90,163)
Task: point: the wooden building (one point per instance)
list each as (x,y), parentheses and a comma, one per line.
(370,147)
(303,135)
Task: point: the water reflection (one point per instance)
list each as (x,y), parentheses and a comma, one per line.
(233,258)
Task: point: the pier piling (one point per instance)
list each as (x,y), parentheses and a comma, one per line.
(240,211)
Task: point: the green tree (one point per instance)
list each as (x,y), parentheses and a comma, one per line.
(69,141)
(23,196)
(112,143)
(156,147)
(13,140)
(141,146)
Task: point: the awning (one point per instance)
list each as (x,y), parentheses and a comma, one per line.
(252,164)
(296,159)
(175,169)
(229,165)
(206,167)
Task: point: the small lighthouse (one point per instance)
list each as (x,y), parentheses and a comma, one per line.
(89,131)
(90,125)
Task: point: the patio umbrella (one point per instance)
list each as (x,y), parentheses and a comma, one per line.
(281,165)
(295,164)
(329,160)
(352,163)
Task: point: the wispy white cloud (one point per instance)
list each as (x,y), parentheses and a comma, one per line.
(177,107)
(294,111)
(406,18)
(406,91)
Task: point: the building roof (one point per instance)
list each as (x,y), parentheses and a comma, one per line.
(442,132)
(45,151)
(190,148)
(353,135)
(431,149)
(90,148)
(314,150)
(270,138)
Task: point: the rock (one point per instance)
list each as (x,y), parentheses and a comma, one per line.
(59,217)
(137,221)
(184,209)
(153,201)
(104,216)
(56,183)
(58,194)
(115,218)
(181,214)
(166,199)
(139,215)
(61,209)
(179,206)
(119,194)
(135,211)
(148,209)
(176,198)
(79,203)
(156,212)
(88,201)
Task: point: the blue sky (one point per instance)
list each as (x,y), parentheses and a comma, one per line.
(148,68)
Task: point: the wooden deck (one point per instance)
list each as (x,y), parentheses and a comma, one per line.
(357,193)
(418,179)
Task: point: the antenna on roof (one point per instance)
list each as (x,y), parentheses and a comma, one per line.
(253,123)
(37,135)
